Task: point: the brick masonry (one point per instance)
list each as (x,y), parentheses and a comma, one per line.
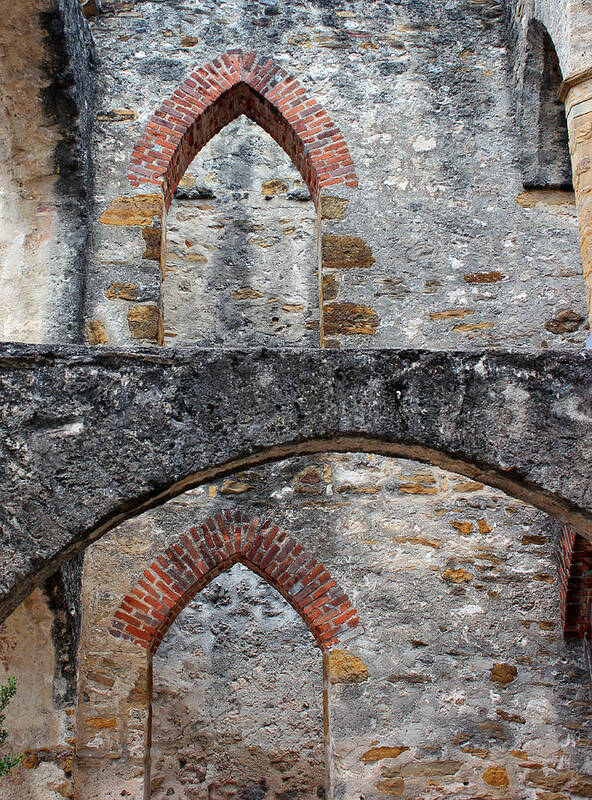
(575,583)
(215,94)
(189,564)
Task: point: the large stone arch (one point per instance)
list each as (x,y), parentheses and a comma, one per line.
(92,437)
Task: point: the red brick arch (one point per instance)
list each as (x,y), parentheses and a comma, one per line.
(178,574)
(574,566)
(213,96)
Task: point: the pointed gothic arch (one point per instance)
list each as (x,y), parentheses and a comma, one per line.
(189,564)
(217,93)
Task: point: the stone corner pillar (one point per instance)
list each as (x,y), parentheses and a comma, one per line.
(576,94)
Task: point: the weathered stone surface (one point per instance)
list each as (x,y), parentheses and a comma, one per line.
(345,667)
(104,432)
(138,210)
(347,319)
(143,321)
(345,252)
(503,673)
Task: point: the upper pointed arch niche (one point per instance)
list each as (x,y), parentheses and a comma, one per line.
(213,96)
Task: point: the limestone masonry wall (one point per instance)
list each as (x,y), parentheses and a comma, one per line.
(213,596)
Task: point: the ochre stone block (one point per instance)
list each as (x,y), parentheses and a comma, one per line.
(457,576)
(330,287)
(349,319)
(496,776)
(483,277)
(333,207)
(247,293)
(394,786)
(546,197)
(273,187)
(465,528)
(122,290)
(118,115)
(345,667)
(143,321)
(472,326)
(345,252)
(565,321)
(100,723)
(378,753)
(153,239)
(138,210)
(453,313)
(503,673)
(95,330)
(468,486)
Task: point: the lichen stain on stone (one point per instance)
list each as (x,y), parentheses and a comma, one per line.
(140,210)
(345,667)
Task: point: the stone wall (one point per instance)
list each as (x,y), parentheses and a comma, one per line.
(450,252)
(242,216)
(47,85)
(41,729)
(458,681)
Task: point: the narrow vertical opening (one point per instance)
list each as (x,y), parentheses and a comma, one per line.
(545,150)
(241,247)
(237,700)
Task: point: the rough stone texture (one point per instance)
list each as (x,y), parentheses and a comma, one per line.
(90,436)
(232,659)
(415,706)
(457,682)
(423,94)
(46,73)
(233,227)
(40,728)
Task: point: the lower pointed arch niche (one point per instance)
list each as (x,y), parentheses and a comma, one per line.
(457,682)
(237,698)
